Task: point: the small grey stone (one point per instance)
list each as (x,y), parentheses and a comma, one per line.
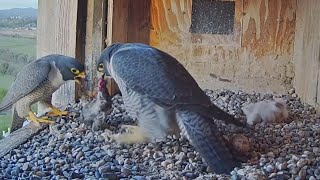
(85,149)
(79,155)
(126,171)
(281,166)
(302,162)
(47,159)
(302,174)
(269,168)
(138,178)
(105,169)
(22,160)
(40,174)
(110,176)
(26,166)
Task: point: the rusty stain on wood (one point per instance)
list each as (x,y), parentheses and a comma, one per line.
(242,58)
(269,26)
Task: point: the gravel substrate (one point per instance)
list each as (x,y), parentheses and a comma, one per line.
(71,150)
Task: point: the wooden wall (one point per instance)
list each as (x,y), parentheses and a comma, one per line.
(130,21)
(57,31)
(307,51)
(274,41)
(258,56)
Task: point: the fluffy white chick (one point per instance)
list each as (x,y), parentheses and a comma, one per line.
(266,111)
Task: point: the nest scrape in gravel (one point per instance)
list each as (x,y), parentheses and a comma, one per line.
(71,150)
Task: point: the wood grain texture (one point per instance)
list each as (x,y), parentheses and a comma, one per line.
(243,60)
(94,44)
(269,26)
(127,21)
(307,51)
(19,137)
(57,34)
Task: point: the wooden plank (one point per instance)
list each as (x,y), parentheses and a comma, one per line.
(56,33)
(117,17)
(19,137)
(95,35)
(258,57)
(307,51)
(117,21)
(139,20)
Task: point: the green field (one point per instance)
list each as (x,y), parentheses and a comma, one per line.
(19,44)
(5,122)
(6,81)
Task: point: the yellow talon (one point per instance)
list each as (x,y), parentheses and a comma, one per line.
(38,120)
(56,112)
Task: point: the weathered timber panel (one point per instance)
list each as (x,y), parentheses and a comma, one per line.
(95,35)
(139,21)
(57,34)
(258,56)
(128,21)
(117,21)
(307,51)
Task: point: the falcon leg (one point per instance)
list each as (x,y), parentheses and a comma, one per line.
(38,120)
(136,135)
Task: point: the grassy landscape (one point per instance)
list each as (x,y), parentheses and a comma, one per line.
(18,44)
(6,81)
(15,51)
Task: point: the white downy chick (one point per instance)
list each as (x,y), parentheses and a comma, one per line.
(266,111)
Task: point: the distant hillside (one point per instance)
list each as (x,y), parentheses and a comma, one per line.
(19,12)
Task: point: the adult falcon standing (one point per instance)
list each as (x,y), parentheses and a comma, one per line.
(159,92)
(37,81)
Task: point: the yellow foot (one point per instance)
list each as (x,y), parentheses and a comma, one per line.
(56,112)
(38,120)
(135,135)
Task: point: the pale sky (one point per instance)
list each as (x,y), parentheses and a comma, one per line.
(8,4)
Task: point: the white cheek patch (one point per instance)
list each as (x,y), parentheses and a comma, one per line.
(54,76)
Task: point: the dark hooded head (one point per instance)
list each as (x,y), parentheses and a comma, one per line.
(69,67)
(105,57)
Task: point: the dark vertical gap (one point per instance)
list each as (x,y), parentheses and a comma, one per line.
(81,40)
(106,23)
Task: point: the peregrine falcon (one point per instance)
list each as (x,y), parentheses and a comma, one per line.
(161,94)
(37,81)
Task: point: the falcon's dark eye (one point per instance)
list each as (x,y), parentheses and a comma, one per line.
(75,71)
(101,67)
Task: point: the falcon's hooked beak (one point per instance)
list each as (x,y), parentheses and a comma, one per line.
(80,76)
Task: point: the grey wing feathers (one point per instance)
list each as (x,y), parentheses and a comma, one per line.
(157,75)
(26,81)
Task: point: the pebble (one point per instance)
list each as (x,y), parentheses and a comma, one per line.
(75,151)
(302,162)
